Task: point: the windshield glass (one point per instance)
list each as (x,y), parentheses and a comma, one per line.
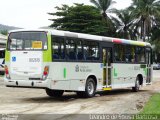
(27,41)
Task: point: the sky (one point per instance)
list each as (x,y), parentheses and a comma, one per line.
(31,14)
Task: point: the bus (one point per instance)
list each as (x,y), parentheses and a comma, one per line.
(63,61)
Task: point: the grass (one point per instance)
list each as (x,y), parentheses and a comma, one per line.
(153,105)
(151,110)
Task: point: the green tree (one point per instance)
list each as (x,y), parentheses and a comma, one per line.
(78,18)
(144,11)
(155,41)
(124,23)
(4,32)
(105,9)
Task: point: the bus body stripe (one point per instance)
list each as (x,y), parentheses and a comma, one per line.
(47,55)
(65,73)
(7,56)
(117,41)
(129,42)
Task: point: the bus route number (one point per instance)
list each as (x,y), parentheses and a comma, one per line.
(34,59)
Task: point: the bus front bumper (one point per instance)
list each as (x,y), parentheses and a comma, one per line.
(26,83)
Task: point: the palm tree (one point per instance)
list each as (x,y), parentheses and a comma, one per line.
(145,11)
(123,22)
(104,6)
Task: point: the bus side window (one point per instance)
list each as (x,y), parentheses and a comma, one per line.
(116,58)
(58,48)
(71,49)
(140,54)
(129,54)
(119,53)
(91,50)
(79,50)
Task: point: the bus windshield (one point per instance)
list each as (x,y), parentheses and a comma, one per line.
(27,41)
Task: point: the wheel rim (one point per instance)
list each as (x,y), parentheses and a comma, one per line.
(90,88)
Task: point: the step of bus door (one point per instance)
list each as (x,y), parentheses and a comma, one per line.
(107,88)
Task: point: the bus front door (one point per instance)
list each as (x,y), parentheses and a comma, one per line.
(107,57)
(149,62)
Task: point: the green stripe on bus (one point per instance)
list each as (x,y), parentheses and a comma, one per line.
(145,70)
(47,55)
(115,74)
(64,73)
(7,56)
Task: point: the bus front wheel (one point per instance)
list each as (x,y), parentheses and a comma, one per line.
(54,93)
(90,89)
(137,85)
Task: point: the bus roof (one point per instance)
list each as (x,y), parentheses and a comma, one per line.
(87,36)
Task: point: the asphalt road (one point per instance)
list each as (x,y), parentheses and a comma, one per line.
(35,101)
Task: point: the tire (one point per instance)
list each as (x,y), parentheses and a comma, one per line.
(137,85)
(90,89)
(54,93)
(2,73)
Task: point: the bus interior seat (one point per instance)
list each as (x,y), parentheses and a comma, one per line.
(55,56)
(72,56)
(91,58)
(80,56)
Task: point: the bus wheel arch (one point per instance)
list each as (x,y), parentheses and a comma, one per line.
(94,78)
(138,82)
(54,93)
(90,87)
(140,77)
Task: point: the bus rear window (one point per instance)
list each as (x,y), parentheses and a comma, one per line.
(2,53)
(27,41)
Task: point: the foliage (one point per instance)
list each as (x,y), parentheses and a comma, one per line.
(141,20)
(124,23)
(155,41)
(144,12)
(4,32)
(79,18)
(104,7)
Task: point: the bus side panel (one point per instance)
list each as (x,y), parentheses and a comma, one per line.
(124,75)
(72,76)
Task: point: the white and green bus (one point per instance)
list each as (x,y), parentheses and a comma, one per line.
(59,61)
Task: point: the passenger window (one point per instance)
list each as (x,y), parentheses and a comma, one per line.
(79,50)
(140,54)
(119,53)
(129,54)
(71,53)
(58,48)
(91,50)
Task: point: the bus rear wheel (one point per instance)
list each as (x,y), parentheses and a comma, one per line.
(54,93)
(137,85)
(90,89)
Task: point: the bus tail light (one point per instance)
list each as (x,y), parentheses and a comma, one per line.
(45,72)
(7,72)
